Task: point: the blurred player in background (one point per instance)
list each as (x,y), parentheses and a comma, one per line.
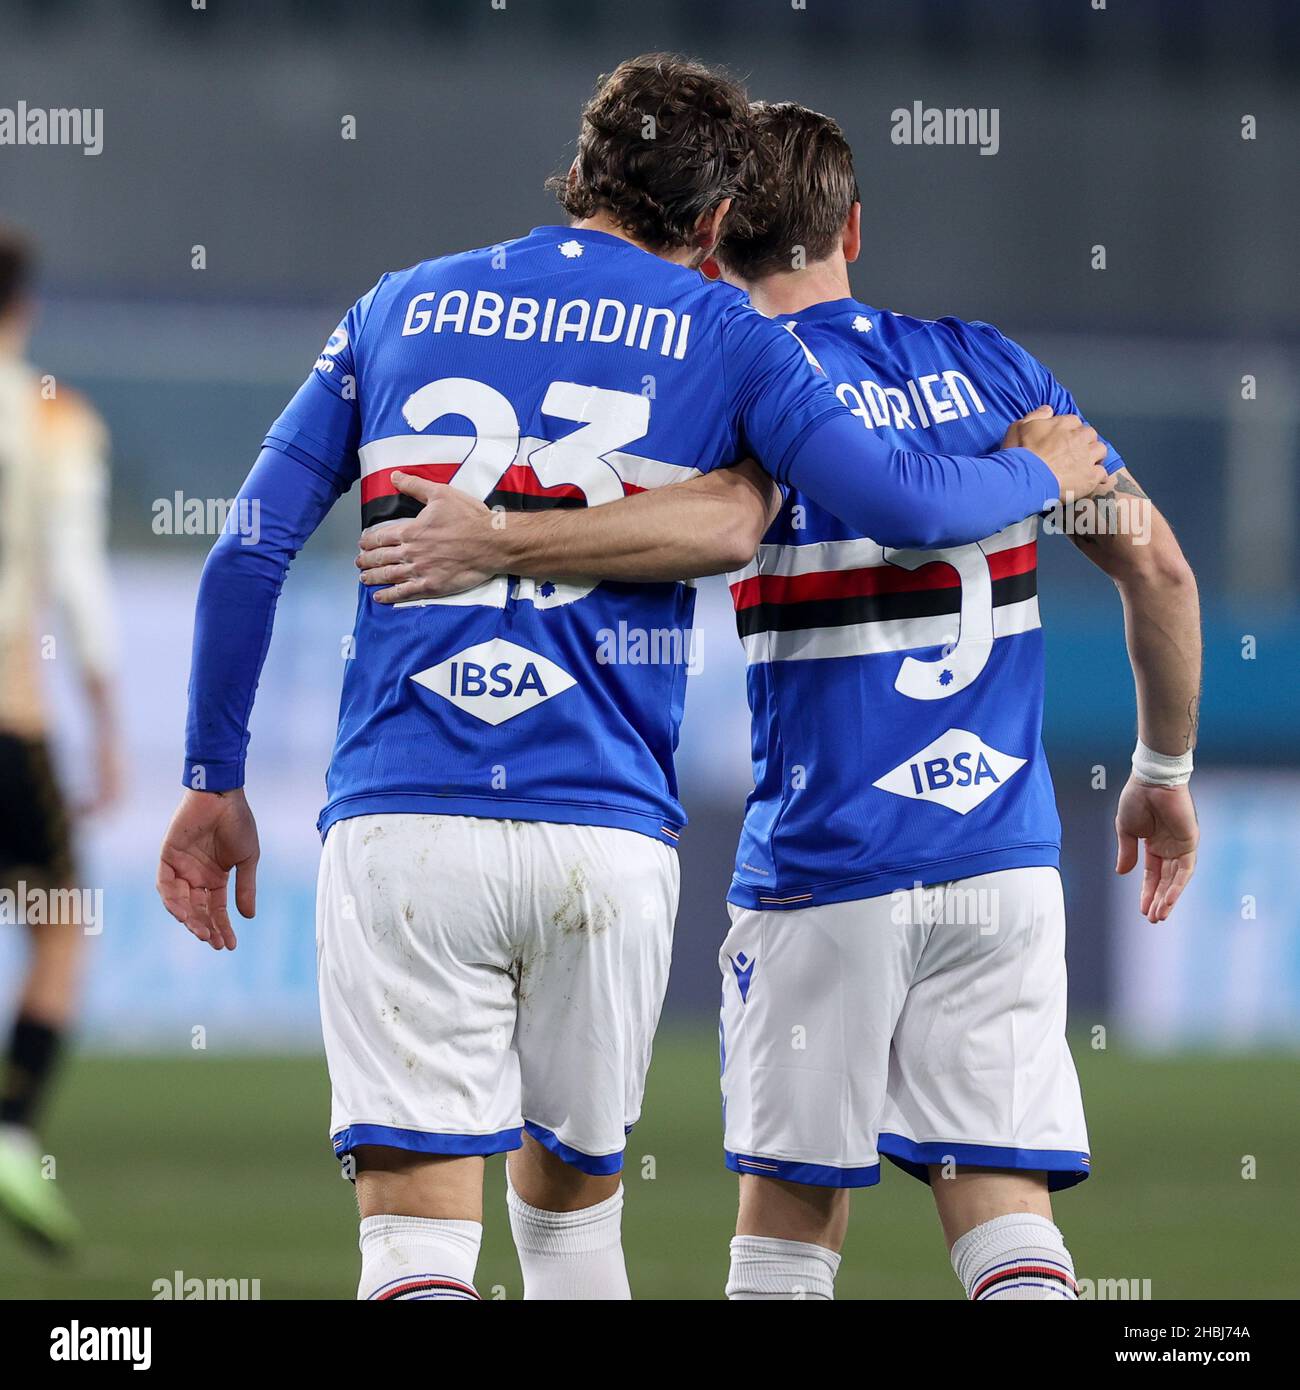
(53,480)
(894,979)
(498,881)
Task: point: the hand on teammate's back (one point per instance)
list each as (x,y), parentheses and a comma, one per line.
(1066,445)
(210,834)
(447,549)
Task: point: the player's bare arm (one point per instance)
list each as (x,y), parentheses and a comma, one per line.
(1122,532)
(708,525)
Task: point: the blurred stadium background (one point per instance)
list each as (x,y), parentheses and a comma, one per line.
(1120,127)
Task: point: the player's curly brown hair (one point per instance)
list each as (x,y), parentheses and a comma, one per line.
(663,140)
(807,191)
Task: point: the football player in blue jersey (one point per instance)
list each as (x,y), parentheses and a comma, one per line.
(498,881)
(894,979)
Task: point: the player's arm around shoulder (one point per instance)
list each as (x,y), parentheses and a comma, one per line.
(1122,532)
(707,525)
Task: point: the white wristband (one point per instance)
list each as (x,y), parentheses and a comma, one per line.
(1159,769)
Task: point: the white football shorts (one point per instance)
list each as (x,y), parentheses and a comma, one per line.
(927,1026)
(479,978)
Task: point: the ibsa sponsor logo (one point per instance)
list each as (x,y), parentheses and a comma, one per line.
(958,770)
(495,681)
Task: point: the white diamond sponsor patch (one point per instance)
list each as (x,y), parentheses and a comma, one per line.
(495,681)
(958,770)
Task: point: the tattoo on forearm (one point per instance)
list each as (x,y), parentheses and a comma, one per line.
(1112,511)
(1125,484)
(1120,483)
(1193,721)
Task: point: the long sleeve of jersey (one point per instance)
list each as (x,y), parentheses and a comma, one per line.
(786,414)
(284,498)
(308,460)
(913,501)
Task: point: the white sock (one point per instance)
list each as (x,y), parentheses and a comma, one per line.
(763,1267)
(413,1258)
(1014,1257)
(570,1254)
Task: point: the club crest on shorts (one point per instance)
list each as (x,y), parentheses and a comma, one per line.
(958,770)
(495,681)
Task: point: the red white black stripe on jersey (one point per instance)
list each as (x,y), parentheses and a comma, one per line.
(439,456)
(843,598)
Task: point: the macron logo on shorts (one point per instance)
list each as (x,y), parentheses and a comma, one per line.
(495,681)
(742,966)
(958,770)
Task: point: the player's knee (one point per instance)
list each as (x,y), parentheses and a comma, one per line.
(400,1182)
(793,1211)
(546,1181)
(967,1197)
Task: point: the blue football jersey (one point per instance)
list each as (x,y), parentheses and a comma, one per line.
(565,368)
(897,695)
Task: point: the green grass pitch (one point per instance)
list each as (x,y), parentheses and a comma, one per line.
(220,1168)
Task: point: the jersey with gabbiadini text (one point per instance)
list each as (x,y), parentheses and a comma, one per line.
(566,368)
(897,695)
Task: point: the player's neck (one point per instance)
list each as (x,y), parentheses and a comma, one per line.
(791,291)
(599,222)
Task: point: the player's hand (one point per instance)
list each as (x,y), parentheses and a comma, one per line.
(1165,819)
(448,548)
(210,834)
(1066,445)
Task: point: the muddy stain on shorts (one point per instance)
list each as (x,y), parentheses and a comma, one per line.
(577,917)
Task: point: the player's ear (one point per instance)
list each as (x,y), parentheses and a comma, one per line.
(853,234)
(708,227)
